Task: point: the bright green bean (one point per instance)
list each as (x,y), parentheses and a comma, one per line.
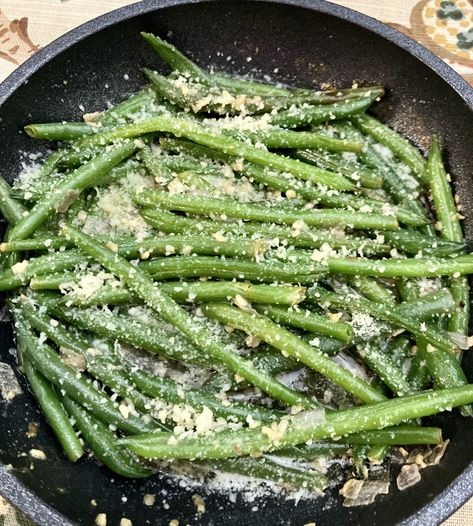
(54,412)
(308,321)
(304,427)
(102,443)
(256,212)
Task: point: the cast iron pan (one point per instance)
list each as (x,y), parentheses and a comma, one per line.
(310,42)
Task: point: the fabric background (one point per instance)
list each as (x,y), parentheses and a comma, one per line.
(445,27)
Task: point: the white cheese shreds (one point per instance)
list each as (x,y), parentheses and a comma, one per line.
(9,386)
(20,267)
(38,454)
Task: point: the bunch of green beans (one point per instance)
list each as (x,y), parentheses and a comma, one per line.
(179,259)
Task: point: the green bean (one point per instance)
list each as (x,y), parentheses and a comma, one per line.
(127,107)
(303,427)
(51,163)
(264,272)
(214,291)
(182,64)
(102,443)
(67,191)
(308,321)
(106,295)
(447,215)
(418,375)
(184,163)
(127,246)
(415,242)
(368,178)
(402,268)
(400,146)
(443,367)
(401,435)
(282,339)
(35,243)
(271,361)
(72,158)
(11,210)
(383,366)
(305,238)
(23,272)
(281,138)
(141,284)
(104,366)
(303,271)
(173,56)
(269,469)
(60,131)
(207,136)
(154,165)
(171,392)
(46,185)
(139,333)
(310,115)
(384,312)
(433,304)
(256,212)
(45,360)
(371,289)
(54,412)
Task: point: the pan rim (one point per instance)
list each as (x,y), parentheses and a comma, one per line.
(461,489)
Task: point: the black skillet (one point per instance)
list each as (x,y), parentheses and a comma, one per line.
(309,42)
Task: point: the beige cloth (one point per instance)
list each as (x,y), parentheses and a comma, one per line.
(445,27)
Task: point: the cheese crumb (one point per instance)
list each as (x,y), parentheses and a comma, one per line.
(218,236)
(204,421)
(149,499)
(199,503)
(39,454)
(20,267)
(112,246)
(101,519)
(124,410)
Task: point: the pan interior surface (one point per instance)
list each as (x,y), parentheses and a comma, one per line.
(293,45)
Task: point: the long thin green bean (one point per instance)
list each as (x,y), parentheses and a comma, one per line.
(303,427)
(256,212)
(54,412)
(102,442)
(400,146)
(308,321)
(447,215)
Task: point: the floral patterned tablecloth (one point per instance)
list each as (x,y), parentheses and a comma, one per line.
(443,26)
